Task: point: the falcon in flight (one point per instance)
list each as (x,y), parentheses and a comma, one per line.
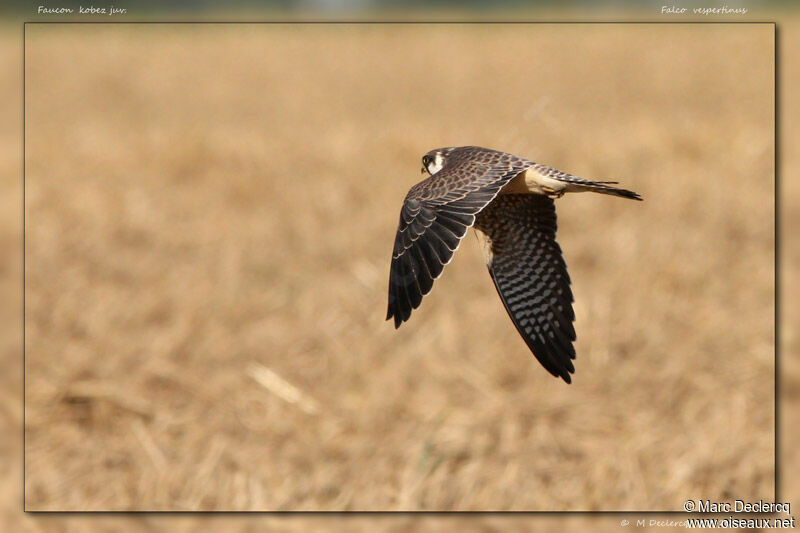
(509,201)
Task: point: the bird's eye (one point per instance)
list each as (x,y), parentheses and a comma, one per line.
(425,160)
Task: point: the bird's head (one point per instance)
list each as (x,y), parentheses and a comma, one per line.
(433,161)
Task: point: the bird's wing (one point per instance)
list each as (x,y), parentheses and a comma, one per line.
(531,277)
(435,217)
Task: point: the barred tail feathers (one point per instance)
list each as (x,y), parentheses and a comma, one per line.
(603,188)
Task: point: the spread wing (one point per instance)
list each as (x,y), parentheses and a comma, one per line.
(435,217)
(531,277)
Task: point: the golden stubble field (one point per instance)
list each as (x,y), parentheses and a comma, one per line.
(210,213)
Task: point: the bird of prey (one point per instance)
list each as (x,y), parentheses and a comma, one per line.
(509,201)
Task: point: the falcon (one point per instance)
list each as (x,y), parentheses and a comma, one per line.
(509,202)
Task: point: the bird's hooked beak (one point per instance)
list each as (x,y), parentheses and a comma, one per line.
(423,169)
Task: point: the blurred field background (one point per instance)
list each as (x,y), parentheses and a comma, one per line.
(11,392)
(210,213)
(468,258)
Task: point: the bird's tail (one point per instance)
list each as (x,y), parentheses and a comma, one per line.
(575,184)
(605,187)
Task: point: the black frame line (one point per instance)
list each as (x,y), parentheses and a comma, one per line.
(776,272)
